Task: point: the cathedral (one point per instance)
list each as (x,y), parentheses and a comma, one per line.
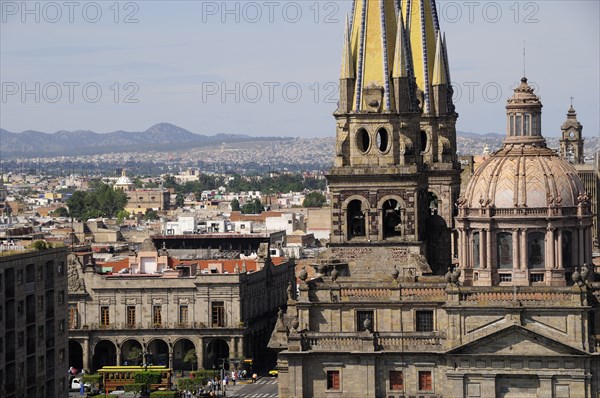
(425,291)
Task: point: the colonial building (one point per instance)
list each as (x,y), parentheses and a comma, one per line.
(517,317)
(161,304)
(33,324)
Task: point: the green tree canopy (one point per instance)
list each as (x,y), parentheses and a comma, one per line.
(253,207)
(101,201)
(314,199)
(235,205)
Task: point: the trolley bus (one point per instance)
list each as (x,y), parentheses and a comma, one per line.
(117,377)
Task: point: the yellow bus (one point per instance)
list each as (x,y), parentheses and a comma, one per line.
(117,377)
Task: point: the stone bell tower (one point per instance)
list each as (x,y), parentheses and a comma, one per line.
(395,133)
(571,141)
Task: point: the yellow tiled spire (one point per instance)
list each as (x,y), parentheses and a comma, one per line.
(401,53)
(439,68)
(373,42)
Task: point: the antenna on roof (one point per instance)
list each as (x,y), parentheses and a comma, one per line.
(524,75)
(571,97)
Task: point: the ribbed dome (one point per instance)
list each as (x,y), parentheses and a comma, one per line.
(524,176)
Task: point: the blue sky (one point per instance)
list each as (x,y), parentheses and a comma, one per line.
(268,68)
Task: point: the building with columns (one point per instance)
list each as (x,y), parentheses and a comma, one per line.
(162,306)
(518,314)
(525,217)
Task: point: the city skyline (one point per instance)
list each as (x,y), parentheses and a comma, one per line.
(272,66)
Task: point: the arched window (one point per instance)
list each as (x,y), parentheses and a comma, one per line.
(504,250)
(356,219)
(535,250)
(423,141)
(391,219)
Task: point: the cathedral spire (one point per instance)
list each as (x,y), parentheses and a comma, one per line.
(400,53)
(439,67)
(347,61)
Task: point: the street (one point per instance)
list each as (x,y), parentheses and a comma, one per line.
(265,387)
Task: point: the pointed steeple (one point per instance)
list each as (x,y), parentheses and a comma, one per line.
(445,50)
(373,42)
(439,66)
(347,61)
(400,53)
(422,23)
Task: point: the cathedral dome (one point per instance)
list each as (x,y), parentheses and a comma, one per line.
(524,173)
(521,176)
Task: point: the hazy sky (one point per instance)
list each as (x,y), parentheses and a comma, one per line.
(267,67)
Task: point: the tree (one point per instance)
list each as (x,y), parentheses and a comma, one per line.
(41,245)
(314,199)
(122,216)
(253,207)
(179,200)
(151,215)
(190,357)
(60,212)
(134,354)
(235,205)
(135,388)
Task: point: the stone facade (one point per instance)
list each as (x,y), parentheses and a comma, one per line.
(173,310)
(33,324)
(374,320)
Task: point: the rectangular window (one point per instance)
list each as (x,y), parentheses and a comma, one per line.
(396,380)
(527,120)
(131,316)
(518,124)
(157,315)
(512,124)
(505,277)
(183,314)
(73,316)
(104,316)
(361,318)
(218,314)
(333,379)
(424,321)
(61,297)
(425,381)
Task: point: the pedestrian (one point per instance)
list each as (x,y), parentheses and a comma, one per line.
(254,377)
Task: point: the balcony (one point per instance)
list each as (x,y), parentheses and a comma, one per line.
(357,341)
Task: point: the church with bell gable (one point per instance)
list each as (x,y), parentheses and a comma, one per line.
(424,290)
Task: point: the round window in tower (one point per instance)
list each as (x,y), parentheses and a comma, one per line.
(363,141)
(383,140)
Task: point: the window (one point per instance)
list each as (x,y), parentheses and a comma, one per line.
(130,315)
(361,318)
(19,277)
(425,381)
(512,124)
(61,297)
(61,355)
(527,120)
(40,272)
(61,268)
(518,125)
(333,379)
(535,250)
(20,339)
(396,380)
(157,315)
(505,277)
(536,278)
(61,326)
(183,314)
(504,250)
(104,316)
(424,321)
(40,302)
(218,314)
(73,316)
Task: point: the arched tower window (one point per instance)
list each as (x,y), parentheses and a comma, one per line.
(504,250)
(423,141)
(535,250)
(356,219)
(391,219)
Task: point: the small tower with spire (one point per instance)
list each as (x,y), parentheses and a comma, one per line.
(571,141)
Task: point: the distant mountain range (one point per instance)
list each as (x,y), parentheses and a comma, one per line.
(165,137)
(160,137)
